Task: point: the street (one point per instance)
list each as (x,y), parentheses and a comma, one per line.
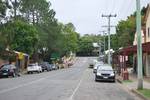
(75,83)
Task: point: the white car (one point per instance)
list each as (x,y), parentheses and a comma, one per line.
(92,62)
(98,64)
(34,68)
(54,67)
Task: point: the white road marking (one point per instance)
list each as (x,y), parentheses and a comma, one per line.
(77,87)
(74,92)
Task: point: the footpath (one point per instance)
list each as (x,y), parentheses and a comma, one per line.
(132,84)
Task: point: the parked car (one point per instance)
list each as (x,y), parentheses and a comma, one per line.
(34,68)
(98,64)
(106,73)
(8,70)
(54,66)
(46,66)
(49,67)
(92,63)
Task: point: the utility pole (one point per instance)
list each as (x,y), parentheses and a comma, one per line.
(99,48)
(109,16)
(139,44)
(104,34)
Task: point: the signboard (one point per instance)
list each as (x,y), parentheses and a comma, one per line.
(21,56)
(55,56)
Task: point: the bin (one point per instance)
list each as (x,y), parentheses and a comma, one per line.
(125,75)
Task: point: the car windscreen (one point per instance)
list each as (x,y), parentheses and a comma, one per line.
(6,67)
(31,65)
(105,68)
(45,62)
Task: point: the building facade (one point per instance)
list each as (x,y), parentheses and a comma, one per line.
(147,55)
(145,40)
(132,50)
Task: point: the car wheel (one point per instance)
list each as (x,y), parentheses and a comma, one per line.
(95,79)
(13,75)
(114,80)
(29,72)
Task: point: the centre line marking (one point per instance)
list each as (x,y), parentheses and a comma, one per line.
(74,92)
(77,87)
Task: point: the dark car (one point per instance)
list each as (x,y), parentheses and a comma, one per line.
(46,66)
(49,67)
(8,70)
(105,73)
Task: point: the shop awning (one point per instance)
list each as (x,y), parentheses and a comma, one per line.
(133,49)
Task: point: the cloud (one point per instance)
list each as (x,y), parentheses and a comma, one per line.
(86,14)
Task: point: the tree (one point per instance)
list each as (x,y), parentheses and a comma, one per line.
(70,38)
(2,9)
(114,41)
(34,29)
(20,36)
(14,7)
(86,44)
(125,31)
(37,11)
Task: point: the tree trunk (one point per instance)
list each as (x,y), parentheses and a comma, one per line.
(33,17)
(15,9)
(37,17)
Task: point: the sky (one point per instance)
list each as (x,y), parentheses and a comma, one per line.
(86,14)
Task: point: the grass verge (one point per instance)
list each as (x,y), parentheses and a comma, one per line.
(145,92)
(127,81)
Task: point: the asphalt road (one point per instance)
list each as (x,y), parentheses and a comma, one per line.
(75,83)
